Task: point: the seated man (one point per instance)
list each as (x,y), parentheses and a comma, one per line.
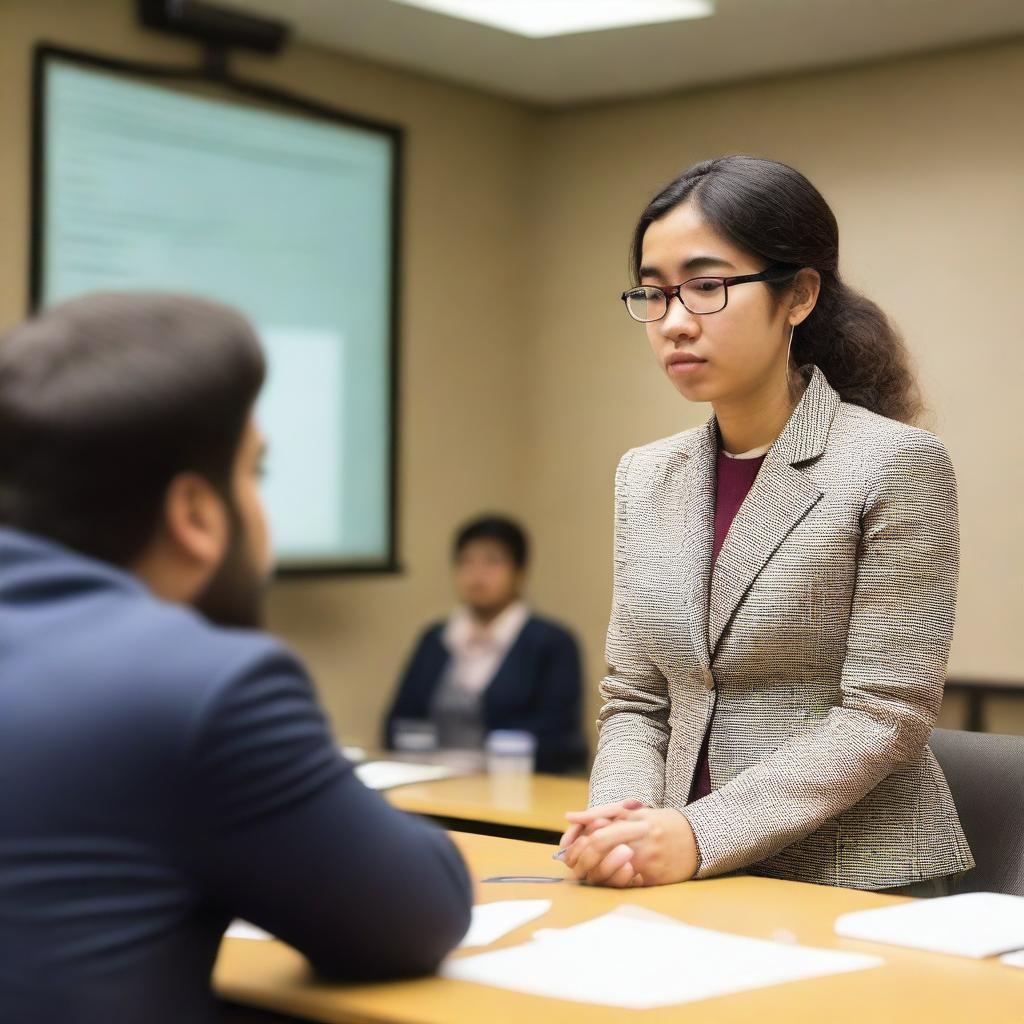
(164,765)
(494,664)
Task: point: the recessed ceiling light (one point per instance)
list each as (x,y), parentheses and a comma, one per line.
(542,18)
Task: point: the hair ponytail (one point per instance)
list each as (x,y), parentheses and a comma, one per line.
(774,212)
(860,352)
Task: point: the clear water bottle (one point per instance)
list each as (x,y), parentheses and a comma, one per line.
(510,759)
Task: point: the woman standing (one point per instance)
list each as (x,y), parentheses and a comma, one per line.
(785,576)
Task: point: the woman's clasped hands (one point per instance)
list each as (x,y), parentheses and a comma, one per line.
(629,844)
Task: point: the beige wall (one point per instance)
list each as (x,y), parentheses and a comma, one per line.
(526,401)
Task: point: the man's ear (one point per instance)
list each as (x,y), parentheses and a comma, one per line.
(806,286)
(196,520)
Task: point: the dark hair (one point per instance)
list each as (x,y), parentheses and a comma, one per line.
(104,399)
(497,528)
(772,211)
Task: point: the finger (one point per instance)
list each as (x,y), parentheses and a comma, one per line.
(624,878)
(638,881)
(608,839)
(610,865)
(605,811)
(593,849)
(569,836)
(574,851)
(577,846)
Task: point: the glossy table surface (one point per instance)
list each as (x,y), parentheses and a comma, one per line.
(536,802)
(911,986)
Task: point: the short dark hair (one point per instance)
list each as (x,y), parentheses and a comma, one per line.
(104,399)
(497,528)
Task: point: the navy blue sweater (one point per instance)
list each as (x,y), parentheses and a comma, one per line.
(159,776)
(537,689)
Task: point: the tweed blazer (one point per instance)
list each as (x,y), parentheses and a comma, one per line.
(819,641)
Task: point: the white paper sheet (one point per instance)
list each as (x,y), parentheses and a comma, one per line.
(974,924)
(1014,959)
(240,929)
(389,774)
(493,920)
(657,962)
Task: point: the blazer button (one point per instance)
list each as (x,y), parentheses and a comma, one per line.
(707,678)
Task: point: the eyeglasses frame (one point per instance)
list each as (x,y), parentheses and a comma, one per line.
(778,272)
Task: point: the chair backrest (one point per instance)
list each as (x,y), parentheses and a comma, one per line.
(986,776)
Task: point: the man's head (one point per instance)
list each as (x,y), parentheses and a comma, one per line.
(127,434)
(490,559)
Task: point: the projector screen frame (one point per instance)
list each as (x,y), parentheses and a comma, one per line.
(214,72)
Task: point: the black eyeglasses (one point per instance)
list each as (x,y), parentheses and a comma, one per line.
(700,295)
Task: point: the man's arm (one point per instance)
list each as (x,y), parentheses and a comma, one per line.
(285,836)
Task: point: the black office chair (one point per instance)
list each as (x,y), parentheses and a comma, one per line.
(986,775)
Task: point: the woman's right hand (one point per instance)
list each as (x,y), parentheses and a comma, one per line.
(590,820)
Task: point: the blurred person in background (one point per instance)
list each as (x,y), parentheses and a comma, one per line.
(494,664)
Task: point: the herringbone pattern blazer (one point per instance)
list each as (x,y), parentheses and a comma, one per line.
(820,641)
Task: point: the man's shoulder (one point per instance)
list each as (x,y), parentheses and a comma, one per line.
(163,660)
(116,671)
(196,655)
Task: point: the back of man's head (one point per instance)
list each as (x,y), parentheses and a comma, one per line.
(106,398)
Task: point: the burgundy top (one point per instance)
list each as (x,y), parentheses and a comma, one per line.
(735,478)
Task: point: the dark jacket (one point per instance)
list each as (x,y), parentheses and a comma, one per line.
(159,776)
(537,689)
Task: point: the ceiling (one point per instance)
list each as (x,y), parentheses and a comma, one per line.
(744,39)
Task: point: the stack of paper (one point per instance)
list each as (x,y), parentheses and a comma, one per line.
(658,962)
(388,774)
(975,924)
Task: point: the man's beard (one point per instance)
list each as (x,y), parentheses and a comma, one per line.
(234,596)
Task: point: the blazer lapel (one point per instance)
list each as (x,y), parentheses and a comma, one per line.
(781,496)
(699,535)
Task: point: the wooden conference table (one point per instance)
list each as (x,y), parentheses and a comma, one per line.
(910,987)
(531,808)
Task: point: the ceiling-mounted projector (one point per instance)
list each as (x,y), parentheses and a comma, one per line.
(214,24)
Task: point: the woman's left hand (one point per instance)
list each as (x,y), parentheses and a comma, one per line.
(662,844)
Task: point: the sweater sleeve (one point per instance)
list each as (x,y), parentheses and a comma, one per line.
(285,835)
